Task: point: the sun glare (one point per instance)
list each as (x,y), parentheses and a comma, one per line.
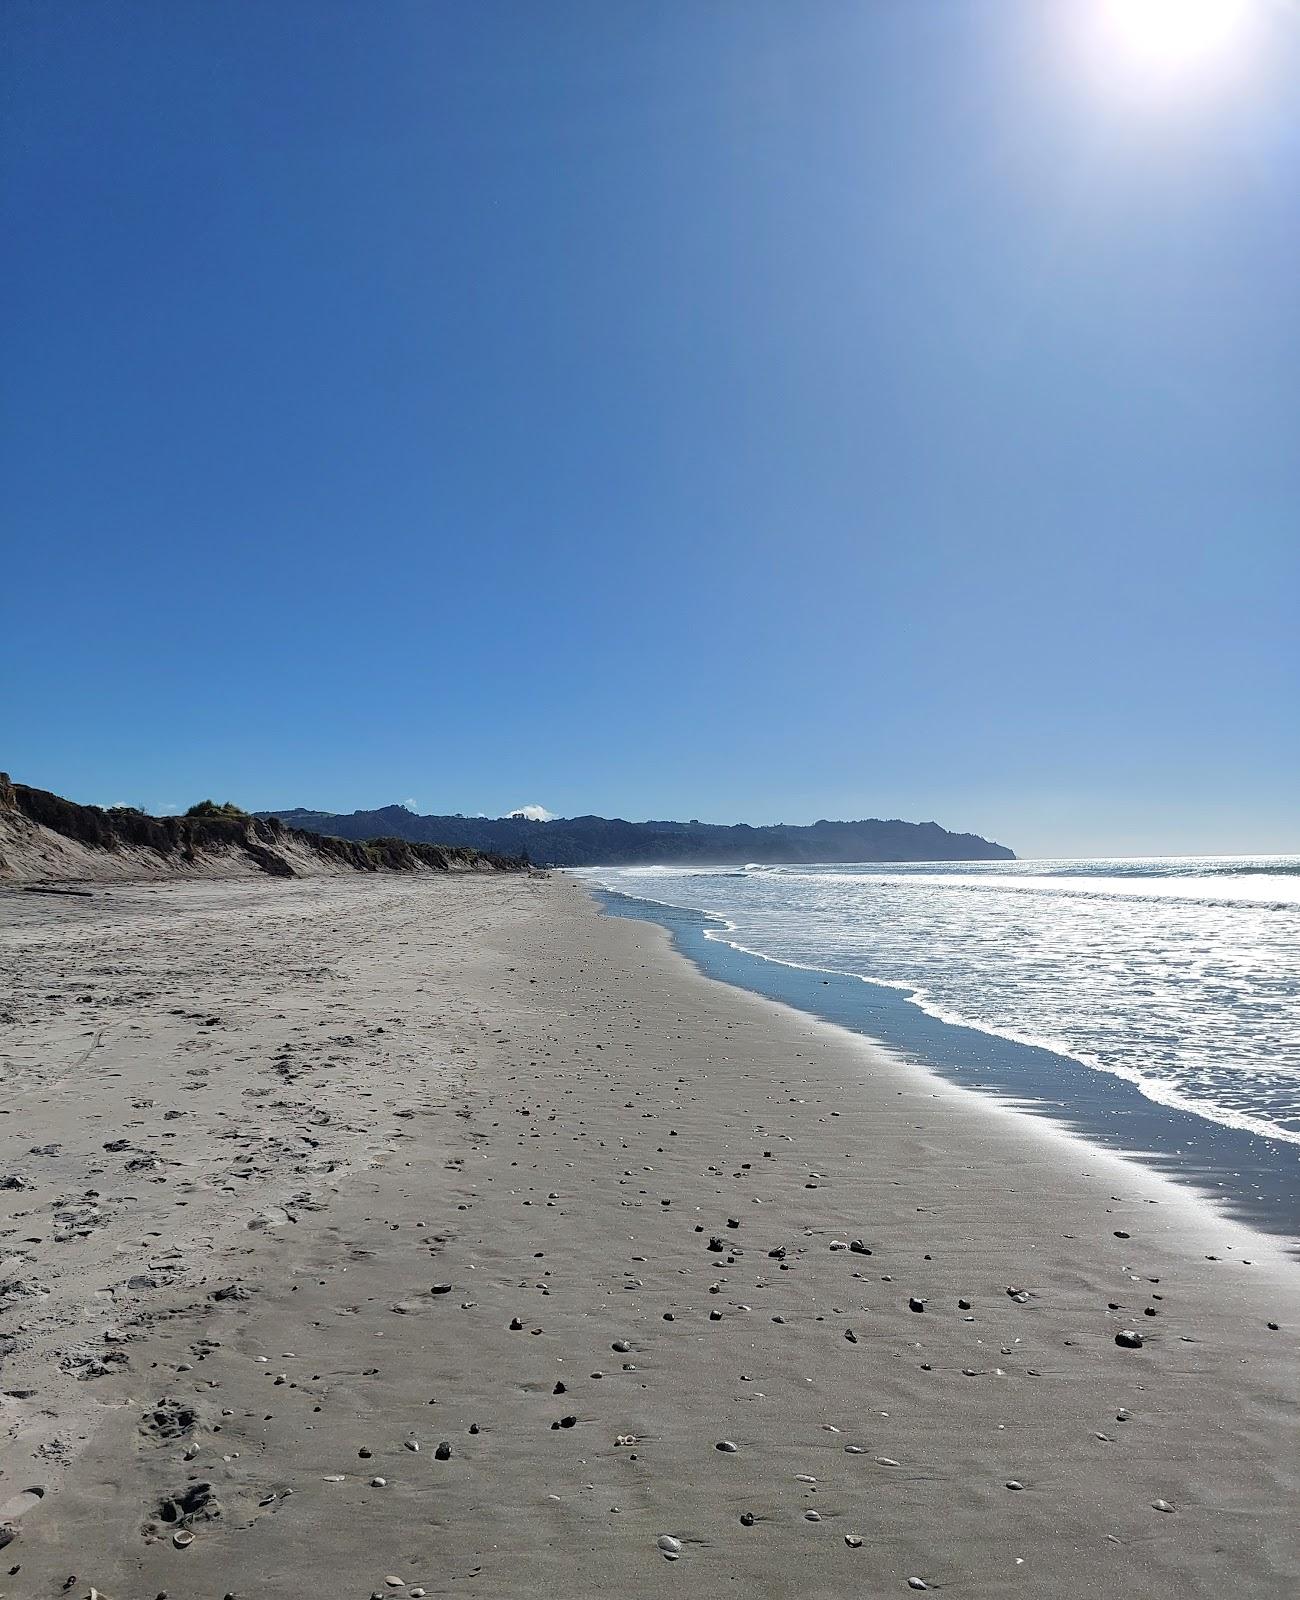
(1174,35)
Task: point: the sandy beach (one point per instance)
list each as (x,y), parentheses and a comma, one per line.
(390,1236)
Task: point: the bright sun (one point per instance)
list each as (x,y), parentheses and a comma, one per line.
(1167,34)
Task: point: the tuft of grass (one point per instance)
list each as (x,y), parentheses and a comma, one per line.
(209,808)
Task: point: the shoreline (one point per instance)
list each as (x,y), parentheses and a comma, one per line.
(1243,1175)
(487,1085)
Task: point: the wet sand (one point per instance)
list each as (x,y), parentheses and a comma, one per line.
(295,1177)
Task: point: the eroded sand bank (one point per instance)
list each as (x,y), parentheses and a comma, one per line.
(284,1165)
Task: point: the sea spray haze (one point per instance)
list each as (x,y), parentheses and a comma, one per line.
(1179,975)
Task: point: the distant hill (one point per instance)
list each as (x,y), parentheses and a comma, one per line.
(606,841)
(47,839)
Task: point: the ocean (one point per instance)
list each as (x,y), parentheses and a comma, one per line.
(1151,1004)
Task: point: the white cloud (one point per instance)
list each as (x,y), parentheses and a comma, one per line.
(532,813)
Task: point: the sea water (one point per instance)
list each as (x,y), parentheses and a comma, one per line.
(1176,980)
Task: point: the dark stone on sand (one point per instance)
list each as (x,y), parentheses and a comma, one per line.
(915,1305)
(747,1519)
(440,1288)
(726,1446)
(1127,1339)
(858,1248)
(443,1452)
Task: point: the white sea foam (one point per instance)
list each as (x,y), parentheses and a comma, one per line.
(1181,975)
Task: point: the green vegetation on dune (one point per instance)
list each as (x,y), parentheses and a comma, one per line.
(209,830)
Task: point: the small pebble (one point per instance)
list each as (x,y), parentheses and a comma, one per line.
(726,1446)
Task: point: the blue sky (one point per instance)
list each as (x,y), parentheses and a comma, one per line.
(729,410)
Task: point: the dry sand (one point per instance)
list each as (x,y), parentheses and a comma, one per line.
(310,1174)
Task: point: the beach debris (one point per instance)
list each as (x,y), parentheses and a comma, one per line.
(182,1538)
(853,1540)
(812,1516)
(669,1547)
(917,1583)
(1014,1483)
(850,1336)
(1129,1339)
(1163,1505)
(440,1288)
(727,1446)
